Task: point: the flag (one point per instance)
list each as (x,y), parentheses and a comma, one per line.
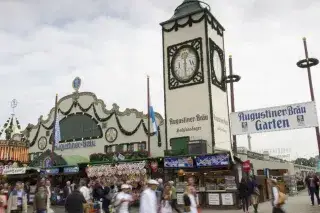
(153,119)
(57,136)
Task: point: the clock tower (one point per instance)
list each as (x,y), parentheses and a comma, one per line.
(195,94)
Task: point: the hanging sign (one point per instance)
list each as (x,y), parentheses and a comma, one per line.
(69,170)
(287,117)
(178,162)
(52,171)
(14,171)
(212,160)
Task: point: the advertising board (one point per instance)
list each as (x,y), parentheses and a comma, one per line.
(287,117)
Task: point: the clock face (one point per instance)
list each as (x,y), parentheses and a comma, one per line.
(185,63)
(111,134)
(42,143)
(217,65)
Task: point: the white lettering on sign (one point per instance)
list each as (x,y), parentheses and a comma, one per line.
(14,171)
(76,145)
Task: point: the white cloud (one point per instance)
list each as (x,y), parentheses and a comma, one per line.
(113,45)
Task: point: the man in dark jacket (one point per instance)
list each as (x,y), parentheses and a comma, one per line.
(312,182)
(74,202)
(100,193)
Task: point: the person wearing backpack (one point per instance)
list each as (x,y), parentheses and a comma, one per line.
(278,198)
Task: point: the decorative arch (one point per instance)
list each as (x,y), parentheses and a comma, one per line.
(110,113)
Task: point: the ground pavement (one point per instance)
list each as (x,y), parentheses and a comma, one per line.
(297,204)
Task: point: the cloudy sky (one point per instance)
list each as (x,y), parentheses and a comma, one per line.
(113,45)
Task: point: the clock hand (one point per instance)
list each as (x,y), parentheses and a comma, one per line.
(184,57)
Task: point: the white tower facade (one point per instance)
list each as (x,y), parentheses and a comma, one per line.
(195,95)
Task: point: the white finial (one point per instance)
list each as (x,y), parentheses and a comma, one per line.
(14,104)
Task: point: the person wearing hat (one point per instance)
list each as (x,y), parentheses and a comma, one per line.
(123,199)
(148,200)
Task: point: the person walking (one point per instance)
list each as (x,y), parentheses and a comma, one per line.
(74,202)
(312,182)
(40,201)
(244,194)
(67,190)
(254,193)
(277,200)
(123,200)
(190,204)
(174,203)
(148,200)
(165,205)
(84,190)
(3,201)
(49,195)
(17,202)
(159,191)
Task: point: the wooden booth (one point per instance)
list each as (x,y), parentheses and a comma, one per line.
(214,178)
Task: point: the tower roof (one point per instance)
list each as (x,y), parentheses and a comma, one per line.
(187,7)
(10,128)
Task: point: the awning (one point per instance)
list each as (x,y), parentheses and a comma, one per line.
(74,160)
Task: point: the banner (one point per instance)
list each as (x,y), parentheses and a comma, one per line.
(14,171)
(213,160)
(287,117)
(70,170)
(178,162)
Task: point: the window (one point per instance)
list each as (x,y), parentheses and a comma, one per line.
(79,126)
(142,146)
(109,149)
(130,147)
(119,148)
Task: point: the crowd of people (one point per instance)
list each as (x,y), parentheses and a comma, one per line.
(156,196)
(249,194)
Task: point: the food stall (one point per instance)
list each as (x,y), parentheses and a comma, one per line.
(133,173)
(214,176)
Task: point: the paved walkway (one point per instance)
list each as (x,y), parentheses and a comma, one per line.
(297,204)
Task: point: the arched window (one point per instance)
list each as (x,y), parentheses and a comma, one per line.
(78,126)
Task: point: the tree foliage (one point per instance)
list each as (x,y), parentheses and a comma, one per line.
(312,162)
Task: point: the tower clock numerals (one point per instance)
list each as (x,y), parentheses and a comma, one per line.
(185,64)
(217,65)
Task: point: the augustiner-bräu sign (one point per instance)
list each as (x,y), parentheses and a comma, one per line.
(287,117)
(188,124)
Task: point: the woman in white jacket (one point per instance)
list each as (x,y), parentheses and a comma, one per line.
(123,199)
(277,207)
(148,199)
